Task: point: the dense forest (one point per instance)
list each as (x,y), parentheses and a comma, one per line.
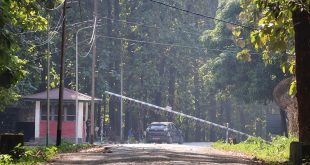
(167,57)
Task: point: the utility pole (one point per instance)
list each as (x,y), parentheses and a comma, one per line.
(48,85)
(61,83)
(121,99)
(92,110)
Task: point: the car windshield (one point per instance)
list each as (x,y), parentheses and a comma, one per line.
(158,126)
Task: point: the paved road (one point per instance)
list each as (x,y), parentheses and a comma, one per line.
(153,154)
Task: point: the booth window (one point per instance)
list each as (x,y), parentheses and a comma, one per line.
(43,111)
(70,113)
(55,113)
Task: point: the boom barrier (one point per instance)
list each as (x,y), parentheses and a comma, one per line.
(168,109)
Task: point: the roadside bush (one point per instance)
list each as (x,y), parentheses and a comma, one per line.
(26,155)
(71,147)
(6,159)
(36,154)
(275,151)
(131,140)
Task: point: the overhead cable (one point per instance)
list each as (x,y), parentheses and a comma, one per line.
(91,46)
(145,25)
(58,26)
(167,44)
(48,40)
(201,15)
(55,8)
(94,30)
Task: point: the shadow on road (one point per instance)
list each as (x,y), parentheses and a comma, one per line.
(129,155)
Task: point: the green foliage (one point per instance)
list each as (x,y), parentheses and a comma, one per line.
(34,155)
(15,16)
(244,55)
(22,13)
(275,30)
(131,140)
(70,147)
(7,96)
(246,77)
(275,151)
(5,159)
(194,81)
(293,89)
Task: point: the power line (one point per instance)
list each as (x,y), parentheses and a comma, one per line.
(49,39)
(94,30)
(145,25)
(123,21)
(56,29)
(55,8)
(69,25)
(149,42)
(67,47)
(57,25)
(140,41)
(201,15)
(167,44)
(91,46)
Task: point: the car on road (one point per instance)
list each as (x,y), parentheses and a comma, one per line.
(159,132)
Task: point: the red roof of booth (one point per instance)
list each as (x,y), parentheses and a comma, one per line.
(54,95)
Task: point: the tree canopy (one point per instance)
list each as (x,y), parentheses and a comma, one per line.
(16,17)
(168,58)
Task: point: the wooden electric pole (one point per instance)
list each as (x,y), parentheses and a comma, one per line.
(92,110)
(48,84)
(61,83)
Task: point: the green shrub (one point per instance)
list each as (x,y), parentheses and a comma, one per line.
(25,155)
(37,154)
(70,147)
(6,159)
(50,152)
(275,151)
(131,140)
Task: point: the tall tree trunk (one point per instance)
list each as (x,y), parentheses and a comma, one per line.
(228,110)
(158,93)
(220,117)
(143,123)
(283,122)
(171,90)
(242,122)
(43,74)
(129,122)
(301,21)
(197,105)
(111,79)
(117,62)
(212,117)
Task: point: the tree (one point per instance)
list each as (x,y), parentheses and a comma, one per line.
(283,29)
(239,87)
(301,20)
(16,16)
(191,79)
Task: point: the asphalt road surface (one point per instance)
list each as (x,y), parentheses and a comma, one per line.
(153,154)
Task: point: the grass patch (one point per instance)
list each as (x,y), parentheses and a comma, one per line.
(276,151)
(26,155)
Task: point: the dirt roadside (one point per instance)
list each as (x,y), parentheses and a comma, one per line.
(153,154)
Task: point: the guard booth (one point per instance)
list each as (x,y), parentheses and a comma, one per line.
(34,117)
